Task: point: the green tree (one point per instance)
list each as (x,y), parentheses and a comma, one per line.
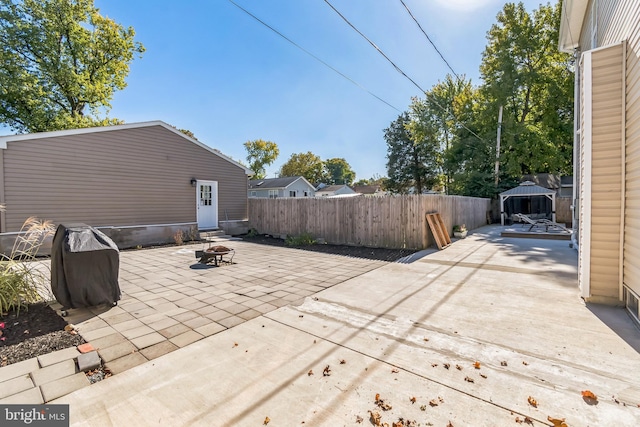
(260,154)
(523,71)
(338,171)
(307,165)
(442,114)
(411,155)
(60,64)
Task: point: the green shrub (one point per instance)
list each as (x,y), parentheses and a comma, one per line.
(252,232)
(305,239)
(23,281)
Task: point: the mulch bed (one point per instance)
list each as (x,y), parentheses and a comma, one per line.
(32,332)
(380,254)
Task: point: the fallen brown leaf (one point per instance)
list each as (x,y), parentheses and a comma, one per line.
(397,424)
(450,424)
(266,421)
(446,366)
(589,395)
(235,344)
(326,372)
(382,404)
(503,363)
(310,372)
(459,368)
(483,376)
(524,363)
(434,402)
(423,407)
(413,399)
(440,399)
(557,422)
(476,365)
(394,371)
(518,420)
(532,402)
(425,339)
(342,361)
(469,380)
(528,420)
(375,418)
(433,365)
(359,419)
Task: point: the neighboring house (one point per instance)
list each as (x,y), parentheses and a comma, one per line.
(369,190)
(334,190)
(562,185)
(605,35)
(288,186)
(139,182)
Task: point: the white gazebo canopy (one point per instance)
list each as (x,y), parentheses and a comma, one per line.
(528,189)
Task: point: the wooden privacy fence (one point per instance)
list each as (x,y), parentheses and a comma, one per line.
(386,222)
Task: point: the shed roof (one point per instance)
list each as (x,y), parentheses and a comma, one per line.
(527,188)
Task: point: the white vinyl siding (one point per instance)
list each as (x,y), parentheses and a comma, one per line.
(602,141)
(631,262)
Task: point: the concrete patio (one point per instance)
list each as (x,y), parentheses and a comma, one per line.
(408,332)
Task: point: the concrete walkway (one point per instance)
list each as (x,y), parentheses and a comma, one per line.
(408,335)
(170,301)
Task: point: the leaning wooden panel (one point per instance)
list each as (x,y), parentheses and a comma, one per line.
(438,230)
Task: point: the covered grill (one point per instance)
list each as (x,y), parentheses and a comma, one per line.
(84,267)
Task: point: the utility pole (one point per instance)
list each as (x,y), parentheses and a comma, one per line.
(497,168)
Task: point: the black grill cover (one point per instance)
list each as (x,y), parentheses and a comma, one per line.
(84,267)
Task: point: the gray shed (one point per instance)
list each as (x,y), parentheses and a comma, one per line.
(528,190)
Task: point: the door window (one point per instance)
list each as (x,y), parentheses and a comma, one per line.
(206,198)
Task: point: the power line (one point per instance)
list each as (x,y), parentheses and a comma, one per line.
(429,38)
(400,70)
(312,55)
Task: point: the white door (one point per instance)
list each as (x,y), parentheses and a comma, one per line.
(207,204)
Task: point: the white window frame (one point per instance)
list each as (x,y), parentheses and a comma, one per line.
(273,194)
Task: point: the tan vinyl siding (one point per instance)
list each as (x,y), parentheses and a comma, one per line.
(606,102)
(631,262)
(135,176)
(582,196)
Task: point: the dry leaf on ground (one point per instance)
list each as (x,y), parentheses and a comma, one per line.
(476,365)
(469,380)
(483,376)
(375,418)
(532,402)
(524,363)
(266,421)
(342,361)
(413,399)
(557,422)
(589,395)
(459,368)
(394,371)
(434,402)
(433,365)
(503,363)
(446,366)
(326,372)
(450,424)
(518,420)
(310,372)
(382,404)
(359,419)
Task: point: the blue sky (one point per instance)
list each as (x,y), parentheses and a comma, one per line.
(212,69)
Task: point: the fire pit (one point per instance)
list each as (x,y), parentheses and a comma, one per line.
(215,254)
